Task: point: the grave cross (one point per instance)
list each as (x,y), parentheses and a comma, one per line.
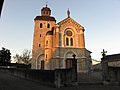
(103,53)
(74,56)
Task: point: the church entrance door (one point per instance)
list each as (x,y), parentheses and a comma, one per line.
(42,65)
(68,63)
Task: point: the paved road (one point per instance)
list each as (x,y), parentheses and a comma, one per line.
(9,82)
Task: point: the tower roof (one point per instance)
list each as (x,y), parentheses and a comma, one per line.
(45,18)
(45,14)
(45,9)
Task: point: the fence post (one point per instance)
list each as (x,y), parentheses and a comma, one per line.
(74,70)
(57,79)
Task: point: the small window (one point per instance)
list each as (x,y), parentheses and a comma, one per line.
(48,25)
(41,25)
(69,33)
(39,45)
(40,35)
(46,55)
(47,42)
(44,12)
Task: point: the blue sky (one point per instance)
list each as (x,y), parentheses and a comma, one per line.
(101,19)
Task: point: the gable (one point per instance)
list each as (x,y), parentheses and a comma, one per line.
(71,22)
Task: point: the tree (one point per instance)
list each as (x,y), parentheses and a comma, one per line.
(17,58)
(25,58)
(5,56)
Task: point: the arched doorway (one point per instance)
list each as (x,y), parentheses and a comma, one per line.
(40,62)
(68,59)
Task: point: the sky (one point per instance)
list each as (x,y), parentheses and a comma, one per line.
(100,18)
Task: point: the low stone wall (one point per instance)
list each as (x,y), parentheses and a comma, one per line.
(114,74)
(57,78)
(42,76)
(63,77)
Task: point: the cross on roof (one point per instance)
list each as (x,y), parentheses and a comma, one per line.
(46,3)
(104,53)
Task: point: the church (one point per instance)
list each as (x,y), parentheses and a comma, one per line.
(54,44)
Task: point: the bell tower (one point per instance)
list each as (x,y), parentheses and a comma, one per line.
(42,25)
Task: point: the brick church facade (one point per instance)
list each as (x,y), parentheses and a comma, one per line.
(55,43)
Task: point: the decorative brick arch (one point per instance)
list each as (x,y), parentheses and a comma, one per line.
(73,29)
(69,54)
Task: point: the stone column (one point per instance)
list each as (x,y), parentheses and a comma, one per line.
(82,39)
(57,35)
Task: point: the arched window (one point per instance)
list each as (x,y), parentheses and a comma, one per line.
(39,45)
(46,56)
(69,37)
(67,41)
(71,41)
(41,25)
(48,25)
(44,12)
(47,42)
(47,13)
